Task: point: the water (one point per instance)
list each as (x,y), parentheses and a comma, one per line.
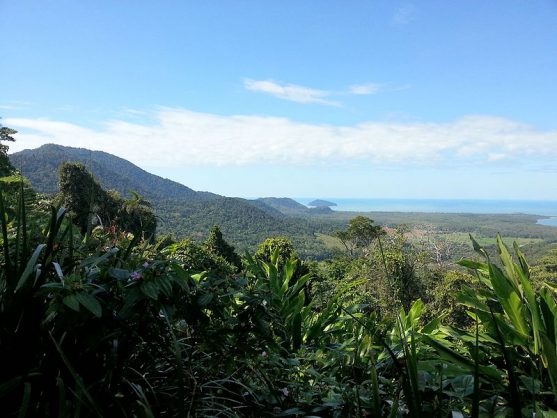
(548,221)
(532,207)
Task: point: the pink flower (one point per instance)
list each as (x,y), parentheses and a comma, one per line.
(135,276)
(264,354)
(145,265)
(285,391)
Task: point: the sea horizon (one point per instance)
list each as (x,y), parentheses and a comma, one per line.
(546,208)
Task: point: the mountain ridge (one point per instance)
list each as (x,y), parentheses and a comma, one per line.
(183,212)
(104,166)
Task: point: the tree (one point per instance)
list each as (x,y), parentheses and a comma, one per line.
(545,270)
(218,246)
(286,252)
(84,198)
(6,167)
(196,258)
(359,235)
(136,215)
(281,244)
(88,203)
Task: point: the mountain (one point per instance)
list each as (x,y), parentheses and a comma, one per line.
(181,210)
(321,203)
(284,205)
(41,165)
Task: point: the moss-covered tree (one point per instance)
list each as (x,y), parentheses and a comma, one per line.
(88,204)
(84,198)
(217,245)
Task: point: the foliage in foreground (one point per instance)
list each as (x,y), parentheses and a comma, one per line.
(104,324)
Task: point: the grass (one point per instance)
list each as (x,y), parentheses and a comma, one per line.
(330,242)
(464,238)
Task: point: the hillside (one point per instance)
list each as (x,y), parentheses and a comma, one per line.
(181,211)
(284,205)
(40,166)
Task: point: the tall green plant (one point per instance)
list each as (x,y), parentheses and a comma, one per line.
(275,279)
(517,321)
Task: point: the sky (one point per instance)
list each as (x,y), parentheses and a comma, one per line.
(297,98)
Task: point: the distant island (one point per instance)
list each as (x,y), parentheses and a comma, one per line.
(321,203)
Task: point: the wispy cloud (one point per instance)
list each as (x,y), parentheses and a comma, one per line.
(404,15)
(14,105)
(179,137)
(292,92)
(364,89)
(309,95)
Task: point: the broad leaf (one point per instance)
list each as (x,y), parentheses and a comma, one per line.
(90,303)
(72,302)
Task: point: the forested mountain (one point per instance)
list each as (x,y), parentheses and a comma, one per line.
(40,166)
(284,205)
(181,211)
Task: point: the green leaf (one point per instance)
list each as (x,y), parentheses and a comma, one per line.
(507,262)
(301,282)
(432,325)
(472,265)
(533,307)
(468,297)
(30,267)
(414,313)
(59,271)
(509,298)
(447,352)
(72,302)
(52,285)
(477,247)
(205,299)
(119,274)
(149,289)
(297,331)
(549,311)
(90,303)
(463,385)
(165,285)
(199,277)
(550,355)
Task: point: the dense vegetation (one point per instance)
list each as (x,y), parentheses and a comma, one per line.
(185,213)
(181,211)
(100,318)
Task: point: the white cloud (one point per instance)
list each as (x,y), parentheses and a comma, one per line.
(404,15)
(178,138)
(364,89)
(303,94)
(292,92)
(496,156)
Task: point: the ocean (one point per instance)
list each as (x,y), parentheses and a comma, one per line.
(532,207)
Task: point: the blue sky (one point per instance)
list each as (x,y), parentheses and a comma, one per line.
(428,99)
